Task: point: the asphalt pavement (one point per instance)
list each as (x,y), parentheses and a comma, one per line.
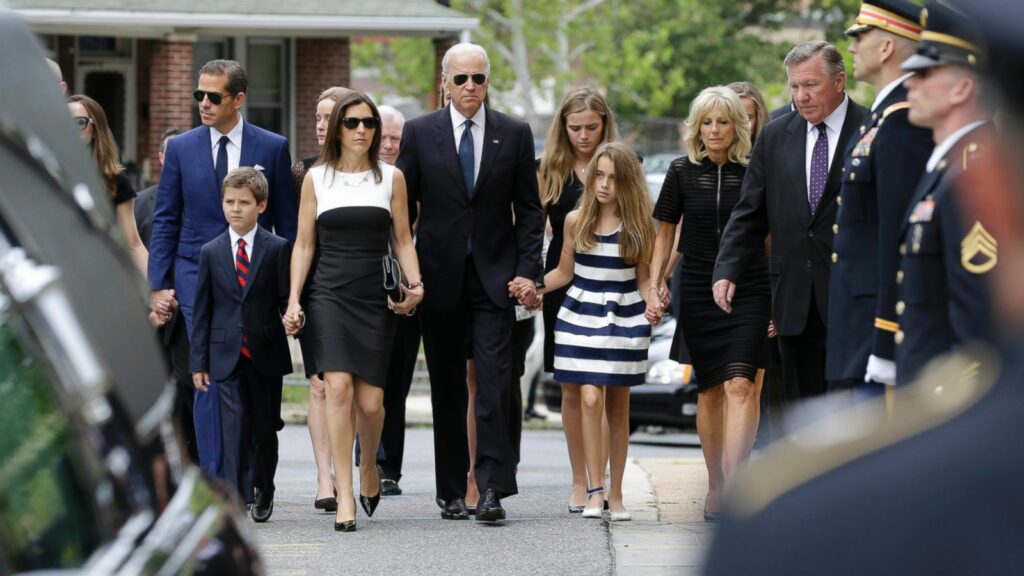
(407,536)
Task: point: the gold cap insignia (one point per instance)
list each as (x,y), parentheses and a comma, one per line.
(924,18)
(979,250)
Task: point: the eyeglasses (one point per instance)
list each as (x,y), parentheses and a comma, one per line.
(461,79)
(82,121)
(370,123)
(215,97)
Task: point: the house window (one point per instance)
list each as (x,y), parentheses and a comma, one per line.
(267,99)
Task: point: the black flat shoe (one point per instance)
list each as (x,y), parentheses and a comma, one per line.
(389,487)
(489,509)
(576,509)
(454,509)
(329,504)
(263,506)
(711,517)
(347,526)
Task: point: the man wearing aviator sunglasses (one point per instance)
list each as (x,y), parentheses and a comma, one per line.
(471,168)
(188,214)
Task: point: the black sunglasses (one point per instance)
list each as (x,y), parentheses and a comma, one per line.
(82,121)
(461,79)
(215,97)
(370,123)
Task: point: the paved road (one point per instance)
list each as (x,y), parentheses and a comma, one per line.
(407,536)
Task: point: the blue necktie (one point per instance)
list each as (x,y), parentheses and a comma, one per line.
(466,158)
(221,167)
(819,168)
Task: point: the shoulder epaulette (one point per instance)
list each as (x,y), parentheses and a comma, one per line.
(943,392)
(895,108)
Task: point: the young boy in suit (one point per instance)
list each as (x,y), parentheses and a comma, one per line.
(238,340)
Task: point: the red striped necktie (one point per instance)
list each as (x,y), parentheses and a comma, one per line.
(242,273)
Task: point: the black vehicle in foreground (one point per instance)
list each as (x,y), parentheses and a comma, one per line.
(668,396)
(92,477)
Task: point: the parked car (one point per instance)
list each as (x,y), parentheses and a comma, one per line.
(655,168)
(668,396)
(92,475)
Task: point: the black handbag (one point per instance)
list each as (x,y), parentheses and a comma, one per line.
(393,278)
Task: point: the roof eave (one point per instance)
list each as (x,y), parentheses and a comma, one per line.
(163,24)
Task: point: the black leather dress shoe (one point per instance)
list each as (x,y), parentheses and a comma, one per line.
(454,509)
(489,509)
(263,507)
(389,487)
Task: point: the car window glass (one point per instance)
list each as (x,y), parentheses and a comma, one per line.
(44,510)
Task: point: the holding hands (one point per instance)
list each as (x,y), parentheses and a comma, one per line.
(524,291)
(656,303)
(162,305)
(294,319)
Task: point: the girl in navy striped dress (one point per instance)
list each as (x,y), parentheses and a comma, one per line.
(602,332)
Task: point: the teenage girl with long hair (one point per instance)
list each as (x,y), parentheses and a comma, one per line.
(602,332)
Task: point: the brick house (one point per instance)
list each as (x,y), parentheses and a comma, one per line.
(140,58)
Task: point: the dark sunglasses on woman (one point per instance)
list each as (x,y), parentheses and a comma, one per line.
(215,97)
(82,121)
(370,122)
(461,79)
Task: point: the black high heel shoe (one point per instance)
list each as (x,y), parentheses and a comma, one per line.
(369,503)
(347,525)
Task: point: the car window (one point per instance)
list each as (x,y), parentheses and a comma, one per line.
(45,515)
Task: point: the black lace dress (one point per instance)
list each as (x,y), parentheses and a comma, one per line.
(722,346)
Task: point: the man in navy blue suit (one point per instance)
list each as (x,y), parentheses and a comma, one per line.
(188,208)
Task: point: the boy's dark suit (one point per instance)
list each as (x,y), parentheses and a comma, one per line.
(250,389)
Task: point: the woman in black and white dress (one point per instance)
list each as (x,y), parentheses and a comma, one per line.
(351,205)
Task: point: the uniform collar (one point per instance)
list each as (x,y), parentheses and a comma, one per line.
(943,148)
(884,92)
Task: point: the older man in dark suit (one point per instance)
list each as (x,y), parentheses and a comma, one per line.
(472,170)
(790,192)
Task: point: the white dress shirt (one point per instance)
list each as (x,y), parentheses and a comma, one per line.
(249,238)
(833,127)
(943,147)
(234,146)
(459,125)
(884,92)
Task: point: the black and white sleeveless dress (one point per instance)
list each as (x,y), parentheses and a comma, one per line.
(601,334)
(348,321)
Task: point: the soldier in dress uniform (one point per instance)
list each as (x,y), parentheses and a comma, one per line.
(881,171)
(936,489)
(947,250)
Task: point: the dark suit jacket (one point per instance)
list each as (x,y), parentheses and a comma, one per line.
(504,219)
(774,200)
(145,202)
(188,211)
(948,251)
(883,164)
(223,311)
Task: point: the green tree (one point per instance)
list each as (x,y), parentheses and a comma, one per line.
(406,65)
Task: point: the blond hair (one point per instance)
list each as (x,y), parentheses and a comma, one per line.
(748,91)
(636,242)
(729,103)
(557,161)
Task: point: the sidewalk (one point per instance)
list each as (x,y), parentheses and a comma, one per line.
(668,534)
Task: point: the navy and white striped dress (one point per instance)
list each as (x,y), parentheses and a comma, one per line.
(601,335)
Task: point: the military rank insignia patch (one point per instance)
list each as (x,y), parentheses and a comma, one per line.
(979,250)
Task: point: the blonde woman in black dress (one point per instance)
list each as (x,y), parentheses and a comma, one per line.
(727,349)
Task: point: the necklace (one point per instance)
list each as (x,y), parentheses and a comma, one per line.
(346,183)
